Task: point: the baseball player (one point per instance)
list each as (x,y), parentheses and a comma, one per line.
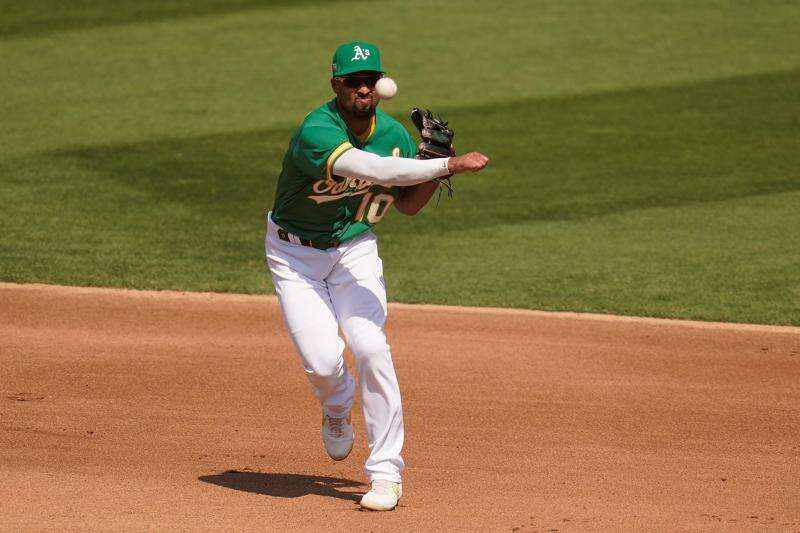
(346,164)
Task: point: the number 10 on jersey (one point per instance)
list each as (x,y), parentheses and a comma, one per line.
(373,207)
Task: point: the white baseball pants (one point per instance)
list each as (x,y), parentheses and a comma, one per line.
(320,291)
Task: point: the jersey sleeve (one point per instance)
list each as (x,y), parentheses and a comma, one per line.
(317,148)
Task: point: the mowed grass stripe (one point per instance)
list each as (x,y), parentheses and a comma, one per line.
(562,221)
(644,153)
(230,70)
(41,17)
(721,260)
(577,157)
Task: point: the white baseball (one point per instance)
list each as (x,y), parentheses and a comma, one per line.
(386,88)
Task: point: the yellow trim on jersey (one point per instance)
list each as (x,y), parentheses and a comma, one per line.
(363,138)
(339,150)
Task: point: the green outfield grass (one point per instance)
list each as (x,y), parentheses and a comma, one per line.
(645,155)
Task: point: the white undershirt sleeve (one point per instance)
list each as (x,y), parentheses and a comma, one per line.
(389,171)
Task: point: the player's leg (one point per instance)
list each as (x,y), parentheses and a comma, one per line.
(310,320)
(359,298)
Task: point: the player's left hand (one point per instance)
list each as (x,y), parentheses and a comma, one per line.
(437,137)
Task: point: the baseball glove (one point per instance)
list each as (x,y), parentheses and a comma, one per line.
(436,140)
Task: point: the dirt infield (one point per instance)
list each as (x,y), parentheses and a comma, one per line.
(143,410)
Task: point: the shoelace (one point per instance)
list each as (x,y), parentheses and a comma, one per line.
(383,487)
(336,426)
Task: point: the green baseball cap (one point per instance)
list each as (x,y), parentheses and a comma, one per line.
(356,56)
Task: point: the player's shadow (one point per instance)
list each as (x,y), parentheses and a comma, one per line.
(285,485)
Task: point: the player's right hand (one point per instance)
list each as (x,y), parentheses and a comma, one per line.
(470,162)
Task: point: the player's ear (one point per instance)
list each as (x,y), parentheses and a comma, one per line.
(333,85)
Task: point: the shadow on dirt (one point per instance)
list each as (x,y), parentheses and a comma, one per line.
(285,485)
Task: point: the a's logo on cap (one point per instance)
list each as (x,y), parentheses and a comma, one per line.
(360,53)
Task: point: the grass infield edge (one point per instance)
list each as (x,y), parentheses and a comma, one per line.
(172,295)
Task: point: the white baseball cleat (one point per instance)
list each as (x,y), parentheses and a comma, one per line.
(337,434)
(383,496)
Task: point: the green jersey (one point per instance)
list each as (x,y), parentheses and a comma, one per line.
(311,201)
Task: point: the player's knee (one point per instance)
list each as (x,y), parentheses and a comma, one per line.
(326,376)
(368,346)
(372,353)
(325,367)
(322,359)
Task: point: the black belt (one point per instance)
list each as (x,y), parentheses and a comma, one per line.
(284,236)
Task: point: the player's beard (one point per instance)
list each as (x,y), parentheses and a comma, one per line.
(363,108)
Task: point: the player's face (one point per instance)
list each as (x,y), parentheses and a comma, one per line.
(356,93)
